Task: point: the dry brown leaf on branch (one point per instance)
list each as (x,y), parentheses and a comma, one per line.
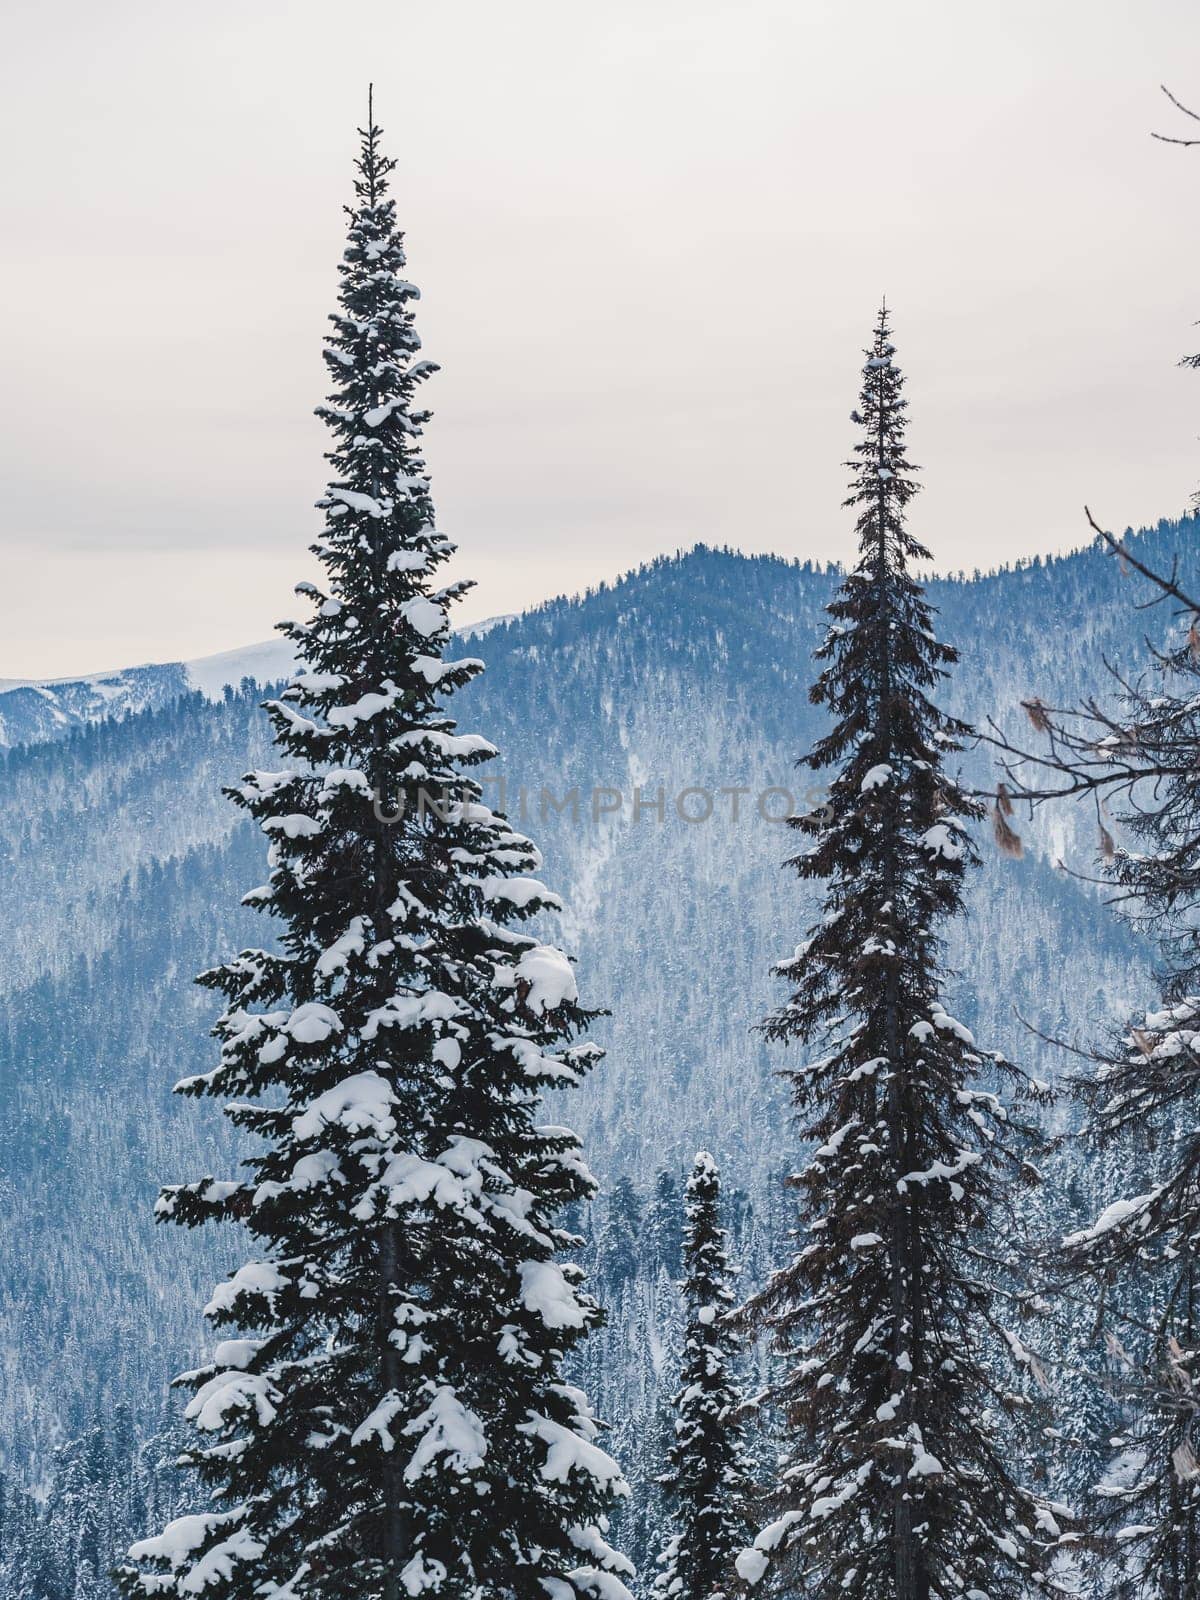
(1008,841)
(1183,1459)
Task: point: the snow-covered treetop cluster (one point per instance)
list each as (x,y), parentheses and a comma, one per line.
(391,1407)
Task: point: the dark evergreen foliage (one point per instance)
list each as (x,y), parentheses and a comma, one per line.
(1130,747)
(662,1243)
(385,1412)
(707,1478)
(899,1482)
(1142,1257)
(1142,1251)
(619,1245)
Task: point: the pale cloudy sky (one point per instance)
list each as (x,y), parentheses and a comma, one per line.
(651,236)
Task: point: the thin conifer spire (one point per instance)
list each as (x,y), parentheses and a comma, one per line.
(707,1477)
(898,1481)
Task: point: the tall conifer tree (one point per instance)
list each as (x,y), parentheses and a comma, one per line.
(898,1482)
(707,1480)
(386,1413)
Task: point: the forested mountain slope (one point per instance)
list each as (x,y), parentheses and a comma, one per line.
(122,869)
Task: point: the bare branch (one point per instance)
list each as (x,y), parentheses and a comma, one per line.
(1165,138)
(1169,586)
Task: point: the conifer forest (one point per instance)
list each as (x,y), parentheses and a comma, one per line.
(686,1091)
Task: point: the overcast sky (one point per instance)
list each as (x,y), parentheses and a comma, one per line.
(651,237)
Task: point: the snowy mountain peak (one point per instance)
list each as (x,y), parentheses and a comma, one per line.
(33,711)
(267,662)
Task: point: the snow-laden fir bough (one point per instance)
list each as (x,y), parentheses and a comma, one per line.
(1141,1254)
(707,1479)
(386,1412)
(1138,1259)
(898,1481)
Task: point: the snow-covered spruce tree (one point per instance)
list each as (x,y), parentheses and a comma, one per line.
(1142,1257)
(707,1481)
(898,1481)
(386,1414)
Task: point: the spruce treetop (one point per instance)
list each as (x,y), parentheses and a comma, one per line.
(891,844)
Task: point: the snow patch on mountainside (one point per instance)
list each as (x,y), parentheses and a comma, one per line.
(33,711)
(267,662)
(476,630)
(274,659)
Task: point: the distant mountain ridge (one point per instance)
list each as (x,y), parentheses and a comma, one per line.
(33,711)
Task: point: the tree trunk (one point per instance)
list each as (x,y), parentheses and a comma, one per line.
(912,1581)
(395,1531)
